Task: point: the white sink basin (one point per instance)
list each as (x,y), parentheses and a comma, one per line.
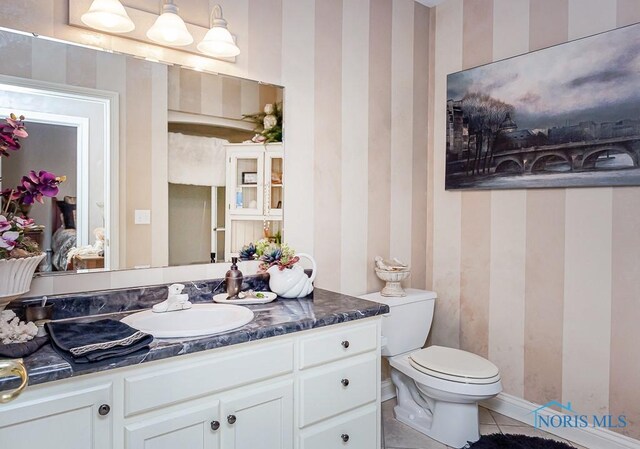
(200,320)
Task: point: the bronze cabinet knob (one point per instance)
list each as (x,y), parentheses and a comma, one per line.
(345,344)
(345,382)
(231,419)
(215,425)
(345,437)
(104,410)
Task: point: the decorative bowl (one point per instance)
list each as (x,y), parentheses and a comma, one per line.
(393,280)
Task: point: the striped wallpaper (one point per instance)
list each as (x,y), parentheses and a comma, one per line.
(208,94)
(545,283)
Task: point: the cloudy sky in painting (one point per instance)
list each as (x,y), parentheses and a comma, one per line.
(596,78)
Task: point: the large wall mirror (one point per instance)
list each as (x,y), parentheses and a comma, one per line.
(159,163)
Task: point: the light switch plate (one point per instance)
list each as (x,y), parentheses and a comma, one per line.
(142,216)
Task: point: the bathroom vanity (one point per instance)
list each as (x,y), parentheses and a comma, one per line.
(304,374)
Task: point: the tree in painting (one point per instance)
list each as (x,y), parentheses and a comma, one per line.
(485,116)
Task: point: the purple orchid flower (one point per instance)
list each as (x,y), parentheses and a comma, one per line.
(9,240)
(22,222)
(11,194)
(38,185)
(5,224)
(15,126)
(11,133)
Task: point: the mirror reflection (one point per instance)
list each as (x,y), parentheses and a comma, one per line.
(164,165)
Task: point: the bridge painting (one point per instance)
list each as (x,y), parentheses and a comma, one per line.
(564,116)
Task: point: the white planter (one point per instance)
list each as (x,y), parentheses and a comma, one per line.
(292,282)
(15,277)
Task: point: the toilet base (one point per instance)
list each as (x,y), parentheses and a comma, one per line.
(454,424)
(457,426)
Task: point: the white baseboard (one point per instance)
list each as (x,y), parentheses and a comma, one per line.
(387,390)
(521,410)
(590,437)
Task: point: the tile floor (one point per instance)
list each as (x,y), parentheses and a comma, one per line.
(398,436)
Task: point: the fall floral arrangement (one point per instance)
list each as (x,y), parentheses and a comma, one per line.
(268,123)
(33,188)
(269,253)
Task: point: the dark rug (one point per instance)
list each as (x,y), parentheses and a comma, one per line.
(500,441)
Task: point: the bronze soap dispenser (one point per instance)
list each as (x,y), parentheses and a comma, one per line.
(233,280)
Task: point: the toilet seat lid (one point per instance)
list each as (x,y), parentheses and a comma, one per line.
(454,364)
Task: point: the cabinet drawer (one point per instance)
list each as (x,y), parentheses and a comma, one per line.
(337,344)
(192,379)
(355,430)
(331,391)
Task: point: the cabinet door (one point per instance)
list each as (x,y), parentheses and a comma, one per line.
(62,421)
(273,183)
(189,428)
(259,417)
(245,182)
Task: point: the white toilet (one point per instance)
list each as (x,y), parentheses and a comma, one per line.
(438,389)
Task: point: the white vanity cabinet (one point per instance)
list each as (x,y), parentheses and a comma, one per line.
(68,418)
(308,390)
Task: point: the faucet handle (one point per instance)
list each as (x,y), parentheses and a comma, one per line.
(175,289)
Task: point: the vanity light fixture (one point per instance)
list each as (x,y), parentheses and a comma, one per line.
(169,28)
(218,41)
(109,16)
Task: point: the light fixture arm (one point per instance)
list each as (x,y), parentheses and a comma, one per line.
(168,6)
(216,19)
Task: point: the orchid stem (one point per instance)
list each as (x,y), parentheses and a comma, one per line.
(6,207)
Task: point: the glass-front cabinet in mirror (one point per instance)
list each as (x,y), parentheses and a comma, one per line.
(160,164)
(254,194)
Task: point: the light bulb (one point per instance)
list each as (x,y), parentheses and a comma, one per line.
(109,16)
(218,41)
(169,28)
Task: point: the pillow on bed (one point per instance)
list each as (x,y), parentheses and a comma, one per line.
(68,214)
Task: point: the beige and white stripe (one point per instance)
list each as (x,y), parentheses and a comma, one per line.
(545,229)
(422,96)
(328,139)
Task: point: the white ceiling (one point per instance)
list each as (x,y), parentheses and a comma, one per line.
(430,3)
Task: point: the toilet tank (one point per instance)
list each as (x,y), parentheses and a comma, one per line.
(408,322)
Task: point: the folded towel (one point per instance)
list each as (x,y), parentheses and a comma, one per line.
(97,340)
(18,350)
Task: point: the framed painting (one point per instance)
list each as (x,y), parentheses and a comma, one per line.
(563,116)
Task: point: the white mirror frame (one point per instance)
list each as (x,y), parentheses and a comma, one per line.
(109,113)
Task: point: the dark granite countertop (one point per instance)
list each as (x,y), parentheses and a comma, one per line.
(283,316)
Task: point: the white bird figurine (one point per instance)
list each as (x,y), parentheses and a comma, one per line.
(390,265)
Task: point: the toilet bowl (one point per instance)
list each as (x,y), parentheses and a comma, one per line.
(437,388)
